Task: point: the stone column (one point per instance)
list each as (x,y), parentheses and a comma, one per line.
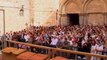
(81,19)
(64,20)
(85,16)
(31,11)
(105,18)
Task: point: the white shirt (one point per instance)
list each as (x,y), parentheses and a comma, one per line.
(86,36)
(70,42)
(54,41)
(26,37)
(100,48)
(83,42)
(93,49)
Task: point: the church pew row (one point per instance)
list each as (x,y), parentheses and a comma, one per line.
(11,53)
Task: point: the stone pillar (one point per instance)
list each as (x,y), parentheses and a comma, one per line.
(31,7)
(81,19)
(64,20)
(85,17)
(104,21)
(105,18)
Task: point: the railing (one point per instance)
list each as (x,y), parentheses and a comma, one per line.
(31,45)
(88,55)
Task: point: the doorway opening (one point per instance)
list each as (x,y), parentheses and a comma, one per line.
(73,19)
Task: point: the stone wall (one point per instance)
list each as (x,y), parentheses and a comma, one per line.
(13,21)
(51,12)
(92,12)
(45,12)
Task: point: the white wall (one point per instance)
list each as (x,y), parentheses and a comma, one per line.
(13,20)
(45,11)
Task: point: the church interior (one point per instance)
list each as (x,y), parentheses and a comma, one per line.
(53,29)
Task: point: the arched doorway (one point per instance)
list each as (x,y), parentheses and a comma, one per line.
(91,12)
(73,19)
(71,13)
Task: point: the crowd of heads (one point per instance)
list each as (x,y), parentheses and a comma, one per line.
(76,37)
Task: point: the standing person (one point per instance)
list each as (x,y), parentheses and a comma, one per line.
(14,38)
(99,49)
(26,37)
(0,40)
(22,39)
(93,49)
(105,48)
(66,45)
(54,42)
(39,40)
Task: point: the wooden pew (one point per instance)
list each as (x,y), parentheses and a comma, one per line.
(88,55)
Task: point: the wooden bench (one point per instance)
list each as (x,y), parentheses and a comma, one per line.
(17,52)
(25,56)
(7,53)
(60,58)
(10,53)
(39,57)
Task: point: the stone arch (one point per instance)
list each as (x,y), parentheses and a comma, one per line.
(72,8)
(95,10)
(96,6)
(85,5)
(63,6)
(88,2)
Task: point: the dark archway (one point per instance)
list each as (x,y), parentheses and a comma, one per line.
(73,19)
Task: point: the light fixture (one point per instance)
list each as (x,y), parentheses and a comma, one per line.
(21,11)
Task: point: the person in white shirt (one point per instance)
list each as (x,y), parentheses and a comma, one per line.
(54,41)
(26,37)
(99,49)
(93,50)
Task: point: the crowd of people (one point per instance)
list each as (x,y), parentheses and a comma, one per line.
(90,39)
